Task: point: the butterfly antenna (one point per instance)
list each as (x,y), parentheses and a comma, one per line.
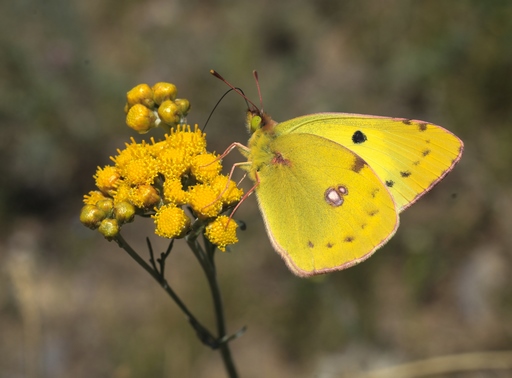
(255,74)
(218,76)
(217,104)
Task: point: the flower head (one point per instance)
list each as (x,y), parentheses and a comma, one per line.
(161,178)
(222,231)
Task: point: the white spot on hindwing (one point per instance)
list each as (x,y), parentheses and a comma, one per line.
(334,195)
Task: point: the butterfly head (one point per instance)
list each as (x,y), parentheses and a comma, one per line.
(257,119)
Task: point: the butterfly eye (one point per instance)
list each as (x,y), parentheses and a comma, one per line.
(253,121)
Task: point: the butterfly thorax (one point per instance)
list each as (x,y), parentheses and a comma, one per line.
(261,151)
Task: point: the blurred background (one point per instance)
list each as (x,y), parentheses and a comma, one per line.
(74,305)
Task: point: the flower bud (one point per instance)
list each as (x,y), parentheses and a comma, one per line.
(184,106)
(169,113)
(109,228)
(141,119)
(164,91)
(141,94)
(91,216)
(124,212)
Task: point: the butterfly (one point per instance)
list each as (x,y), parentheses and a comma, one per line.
(331,186)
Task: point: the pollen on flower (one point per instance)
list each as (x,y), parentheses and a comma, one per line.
(204,200)
(140,171)
(172,162)
(205,167)
(122,193)
(174,193)
(227,189)
(144,196)
(132,151)
(93,197)
(171,222)
(221,232)
(193,142)
(107,178)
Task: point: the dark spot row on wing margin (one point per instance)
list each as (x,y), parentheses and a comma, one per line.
(422,126)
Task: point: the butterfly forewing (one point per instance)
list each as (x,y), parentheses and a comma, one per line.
(409,156)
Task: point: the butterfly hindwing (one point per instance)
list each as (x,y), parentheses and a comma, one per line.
(324,207)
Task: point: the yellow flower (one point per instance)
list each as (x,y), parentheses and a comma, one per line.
(107,179)
(174,193)
(193,142)
(140,171)
(162,176)
(132,151)
(221,232)
(204,200)
(171,222)
(122,193)
(227,189)
(172,162)
(205,167)
(93,197)
(144,196)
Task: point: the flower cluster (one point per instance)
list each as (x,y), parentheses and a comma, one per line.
(160,179)
(148,107)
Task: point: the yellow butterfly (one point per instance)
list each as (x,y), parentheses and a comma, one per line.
(330,186)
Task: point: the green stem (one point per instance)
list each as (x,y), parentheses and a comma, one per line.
(211,275)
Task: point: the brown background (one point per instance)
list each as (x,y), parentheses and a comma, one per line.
(74,305)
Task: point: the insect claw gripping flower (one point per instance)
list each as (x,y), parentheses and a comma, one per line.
(161,178)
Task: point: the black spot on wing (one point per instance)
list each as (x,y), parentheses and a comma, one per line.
(349,239)
(405,173)
(310,244)
(426,152)
(390,183)
(373,212)
(422,126)
(358,137)
(406,121)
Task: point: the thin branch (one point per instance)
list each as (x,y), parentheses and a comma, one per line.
(443,365)
(203,333)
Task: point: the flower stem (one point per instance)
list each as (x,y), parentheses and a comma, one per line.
(207,263)
(202,332)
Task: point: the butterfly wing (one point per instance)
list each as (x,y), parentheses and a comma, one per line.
(409,156)
(324,208)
